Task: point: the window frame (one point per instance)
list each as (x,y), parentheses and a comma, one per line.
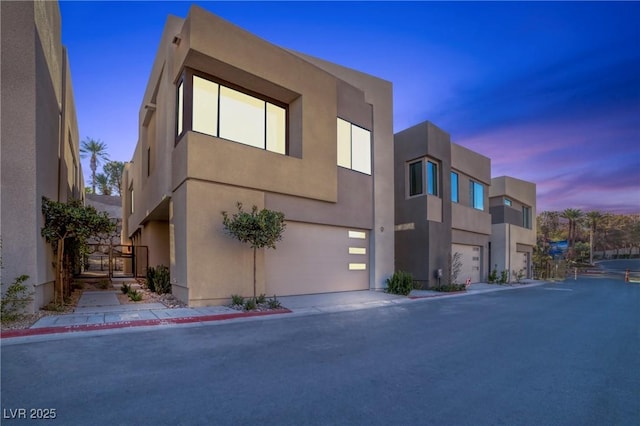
(432,176)
(455,195)
(420,168)
(340,142)
(187,79)
(472,194)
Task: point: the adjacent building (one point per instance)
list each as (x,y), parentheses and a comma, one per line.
(512,204)
(441,206)
(39,153)
(228,117)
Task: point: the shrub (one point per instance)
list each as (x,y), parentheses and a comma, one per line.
(151,276)
(493,276)
(261,299)
(250,304)
(504,277)
(15,299)
(448,288)
(400,283)
(162,280)
(135,295)
(126,288)
(518,275)
(274,303)
(237,299)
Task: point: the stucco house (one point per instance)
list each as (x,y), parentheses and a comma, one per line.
(441,202)
(512,204)
(228,117)
(39,153)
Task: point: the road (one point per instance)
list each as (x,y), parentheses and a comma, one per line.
(559,354)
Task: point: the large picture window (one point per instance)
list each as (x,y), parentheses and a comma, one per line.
(227,113)
(354,147)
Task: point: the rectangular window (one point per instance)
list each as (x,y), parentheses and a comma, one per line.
(205,106)
(526,217)
(357,266)
(476,195)
(432,178)
(242,118)
(415,178)
(230,114)
(357,235)
(179,126)
(354,147)
(507,202)
(131,199)
(454,187)
(148,161)
(357,250)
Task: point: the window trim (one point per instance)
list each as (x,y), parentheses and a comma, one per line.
(432,176)
(457,187)
(472,194)
(420,165)
(368,172)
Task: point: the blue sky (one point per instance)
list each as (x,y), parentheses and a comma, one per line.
(549,91)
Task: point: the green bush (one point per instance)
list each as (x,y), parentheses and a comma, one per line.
(400,283)
(237,299)
(159,279)
(151,276)
(274,303)
(135,295)
(126,288)
(493,276)
(448,288)
(250,304)
(15,299)
(261,299)
(504,277)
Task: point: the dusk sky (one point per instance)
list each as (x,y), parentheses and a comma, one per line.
(549,91)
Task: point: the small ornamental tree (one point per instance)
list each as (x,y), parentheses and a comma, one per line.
(259,229)
(70,225)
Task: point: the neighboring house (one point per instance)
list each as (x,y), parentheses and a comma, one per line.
(39,139)
(228,117)
(441,206)
(513,225)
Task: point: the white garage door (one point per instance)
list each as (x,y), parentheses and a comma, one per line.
(315,258)
(470,262)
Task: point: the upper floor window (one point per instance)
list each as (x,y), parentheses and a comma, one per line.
(507,202)
(476,195)
(432,178)
(354,147)
(415,178)
(131,198)
(454,187)
(220,111)
(526,217)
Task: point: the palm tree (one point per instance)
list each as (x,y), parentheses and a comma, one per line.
(97,151)
(573,216)
(103,184)
(593,217)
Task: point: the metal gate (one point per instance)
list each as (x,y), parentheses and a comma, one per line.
(111,261)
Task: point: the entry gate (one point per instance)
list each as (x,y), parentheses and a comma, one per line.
(115,261)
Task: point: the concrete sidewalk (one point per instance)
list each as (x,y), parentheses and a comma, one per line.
(101,310)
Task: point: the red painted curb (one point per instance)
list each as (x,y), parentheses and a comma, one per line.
(140,323)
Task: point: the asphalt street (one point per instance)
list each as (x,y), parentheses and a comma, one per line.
(559,354)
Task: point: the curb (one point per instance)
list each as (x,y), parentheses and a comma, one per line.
(140,323)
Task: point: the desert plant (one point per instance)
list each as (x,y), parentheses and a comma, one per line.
(261,299)
(448,288)
(493,275)
(504,277)
(400,283)
(162,281)
(237,299)
(273,303)
(259,229)
(135,295)
(15,299)
(151,276)
(250,304)
(126,288)
(518,275)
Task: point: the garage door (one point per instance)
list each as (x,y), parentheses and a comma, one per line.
(470,257)
(315,258)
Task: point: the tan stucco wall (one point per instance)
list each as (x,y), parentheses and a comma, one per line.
(36,99)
